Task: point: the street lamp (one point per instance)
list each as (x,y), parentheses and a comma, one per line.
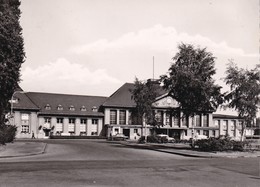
(12,103)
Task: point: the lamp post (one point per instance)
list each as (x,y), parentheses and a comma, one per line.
(12,103)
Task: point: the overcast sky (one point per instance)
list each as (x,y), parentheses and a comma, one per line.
(92,47)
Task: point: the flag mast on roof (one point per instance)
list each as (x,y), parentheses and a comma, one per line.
(153,68)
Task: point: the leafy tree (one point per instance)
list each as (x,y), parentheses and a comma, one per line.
(244,95)
(11,53)
(144,95)
(190,81)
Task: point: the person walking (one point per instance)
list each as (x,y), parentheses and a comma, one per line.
(33,137)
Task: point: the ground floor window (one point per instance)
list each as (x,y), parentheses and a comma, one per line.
(116,130)
(59,127)
(225,124)
(71,127)
(213,133)
(25,129)
(176,121)
(83,126)
(206,133)
(25,123)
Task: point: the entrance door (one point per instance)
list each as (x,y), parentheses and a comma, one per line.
(126,132)
(176,134)
(47,132)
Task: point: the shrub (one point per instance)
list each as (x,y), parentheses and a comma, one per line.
(150,139)
(219,144)
(7,133)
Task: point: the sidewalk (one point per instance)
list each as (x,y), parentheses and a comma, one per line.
(185,150)
(19,149)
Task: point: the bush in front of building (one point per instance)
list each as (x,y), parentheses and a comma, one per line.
(220,144)
(7,133)
(150,139)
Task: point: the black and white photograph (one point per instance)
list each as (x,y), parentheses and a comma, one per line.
(142,93)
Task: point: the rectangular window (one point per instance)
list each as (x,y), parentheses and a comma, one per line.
(116,130)
(176,121)
(25,123)
(225,124)
(213,133)
(168,119)
(71,127)
(94,129)
(83,126)
(59,125)
(159,117)
(232,127)
(136,131)
(184,121)
(47,120)
(95,121)
(60,120)
(205,120)
(113,117)
(122,117)
(25,129)
(193,121)
(198,120)
(217,123)
(240,124)
(47,123)
(206,133)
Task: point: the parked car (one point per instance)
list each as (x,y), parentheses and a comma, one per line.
(119,137)
(164,138)
(201,137)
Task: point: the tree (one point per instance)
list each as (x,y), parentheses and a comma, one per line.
(144,95)
(190,81)
(244,95)
(11,53)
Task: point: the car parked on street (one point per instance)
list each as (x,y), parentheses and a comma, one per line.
(164,138)
(119,137)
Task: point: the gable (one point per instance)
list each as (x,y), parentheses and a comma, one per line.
(166,102)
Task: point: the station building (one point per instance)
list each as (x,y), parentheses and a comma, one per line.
(47,114)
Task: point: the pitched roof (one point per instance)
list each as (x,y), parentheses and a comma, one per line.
(41,100)
(123,96)
(224,116)
(23,102)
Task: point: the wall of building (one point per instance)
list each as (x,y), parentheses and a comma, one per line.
(32,124)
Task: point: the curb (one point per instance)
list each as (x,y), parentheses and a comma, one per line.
(27,154)
(194,155)
(171,152)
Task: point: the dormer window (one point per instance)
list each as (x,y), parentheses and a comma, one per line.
(83,108)
(94,109)
(59,107)
(47,107)
(14,100)
(72,108)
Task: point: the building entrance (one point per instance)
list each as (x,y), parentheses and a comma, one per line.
(126,132)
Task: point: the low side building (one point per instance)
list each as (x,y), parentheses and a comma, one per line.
(45,114)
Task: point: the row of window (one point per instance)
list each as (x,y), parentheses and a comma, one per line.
(226,122)
(71,107)
(170,120)
(122,117)
(71,121)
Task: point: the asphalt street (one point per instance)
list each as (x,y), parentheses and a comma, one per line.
(102,163)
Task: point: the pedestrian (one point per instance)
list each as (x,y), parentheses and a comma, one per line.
(33,135)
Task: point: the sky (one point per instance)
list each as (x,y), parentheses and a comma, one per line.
(92,47)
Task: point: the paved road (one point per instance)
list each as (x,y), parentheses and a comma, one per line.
(100,163)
